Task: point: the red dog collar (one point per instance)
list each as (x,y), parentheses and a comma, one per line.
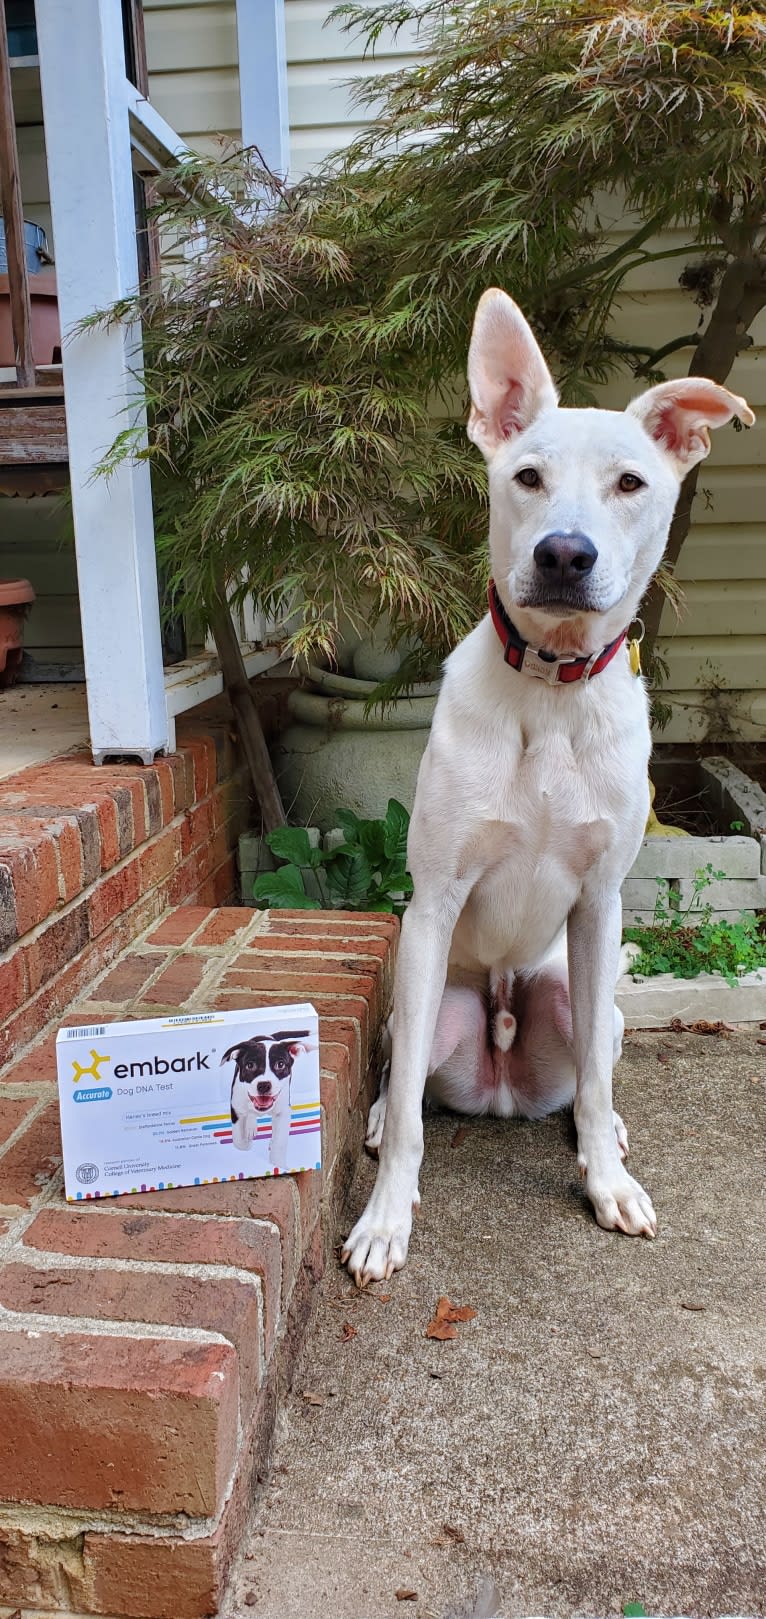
(545,665)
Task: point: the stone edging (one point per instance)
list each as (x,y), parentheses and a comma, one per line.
(651,1003)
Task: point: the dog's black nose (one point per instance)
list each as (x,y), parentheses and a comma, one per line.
(564,559)
(263,1087)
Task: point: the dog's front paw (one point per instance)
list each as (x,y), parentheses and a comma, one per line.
(620,1203)
(378,1244)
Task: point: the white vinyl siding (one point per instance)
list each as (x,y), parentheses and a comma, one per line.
(191,49)
(716,652)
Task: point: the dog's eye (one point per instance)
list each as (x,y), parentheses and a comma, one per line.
(529,478)
(629,482)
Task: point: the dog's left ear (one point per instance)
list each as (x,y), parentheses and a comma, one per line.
(509,380)
(678,416)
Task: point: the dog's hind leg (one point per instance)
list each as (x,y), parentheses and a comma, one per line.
(460,1044)
(376,1117)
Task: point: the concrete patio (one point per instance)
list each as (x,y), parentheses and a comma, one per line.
(595,1437)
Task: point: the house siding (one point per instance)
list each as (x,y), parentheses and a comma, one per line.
(191,49)
(717,668)
(716,652)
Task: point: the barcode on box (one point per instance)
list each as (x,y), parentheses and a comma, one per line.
(87,1032)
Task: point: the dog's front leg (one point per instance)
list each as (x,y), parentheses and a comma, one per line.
(593,938)
(377,1246)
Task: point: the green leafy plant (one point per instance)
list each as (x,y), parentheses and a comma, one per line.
(690,941)
(305,375)
(366,872)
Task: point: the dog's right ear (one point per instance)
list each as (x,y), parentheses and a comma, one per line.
(509,380)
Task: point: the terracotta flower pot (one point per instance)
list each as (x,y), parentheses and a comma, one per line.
(16,596)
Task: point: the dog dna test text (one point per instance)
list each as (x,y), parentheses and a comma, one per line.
(183,1101)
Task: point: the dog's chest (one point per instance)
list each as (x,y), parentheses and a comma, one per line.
(549,824)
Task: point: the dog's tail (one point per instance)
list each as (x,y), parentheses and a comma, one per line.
(628,954)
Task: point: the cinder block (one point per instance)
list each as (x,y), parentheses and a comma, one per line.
(735,796)
(682,857)
(333,839)
(652,1002)
(642,891)
(747,894)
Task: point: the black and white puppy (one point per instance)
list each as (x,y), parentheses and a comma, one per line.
(263,1069)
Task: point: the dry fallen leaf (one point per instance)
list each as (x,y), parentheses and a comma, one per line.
(691,1304)
(383,1298)
(347,1332)
(454,1533)
(441,1330)
(313,1399)
(702,1026)
(459,1136)
(405,1595)
(447,1311)
(442,1325)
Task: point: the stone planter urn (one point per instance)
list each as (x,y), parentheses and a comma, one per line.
(16,597)
(334,754)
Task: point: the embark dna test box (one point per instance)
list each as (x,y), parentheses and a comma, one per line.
(183,1101)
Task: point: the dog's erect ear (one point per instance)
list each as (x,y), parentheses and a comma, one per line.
(509,380)
(679,415)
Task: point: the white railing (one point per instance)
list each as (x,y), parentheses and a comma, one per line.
(99,131)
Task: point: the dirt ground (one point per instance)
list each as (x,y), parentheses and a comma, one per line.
(596,1435)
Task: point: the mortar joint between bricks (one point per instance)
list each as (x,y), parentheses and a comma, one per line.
(61,1523)
(37,1325)
(43,1102)
(16,1228)
(40,1259)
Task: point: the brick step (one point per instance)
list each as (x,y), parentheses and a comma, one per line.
(144,1340)
(89,857)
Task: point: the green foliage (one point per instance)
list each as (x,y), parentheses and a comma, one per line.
(367,872)
(304,375)
(691,941)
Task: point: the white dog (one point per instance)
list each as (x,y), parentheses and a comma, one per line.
(532,796)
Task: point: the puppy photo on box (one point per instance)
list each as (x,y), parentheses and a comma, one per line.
(260,1088)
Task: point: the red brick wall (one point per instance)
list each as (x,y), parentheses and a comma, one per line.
(144,1341)
(90,856)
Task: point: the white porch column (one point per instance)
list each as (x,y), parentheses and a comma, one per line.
(87,134)
(263,80)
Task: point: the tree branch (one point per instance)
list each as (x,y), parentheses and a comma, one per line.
(574,277)
(688,341)
(243,702)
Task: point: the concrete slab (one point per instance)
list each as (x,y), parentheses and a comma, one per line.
(41,722)
(596,1435)
(651,1003)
